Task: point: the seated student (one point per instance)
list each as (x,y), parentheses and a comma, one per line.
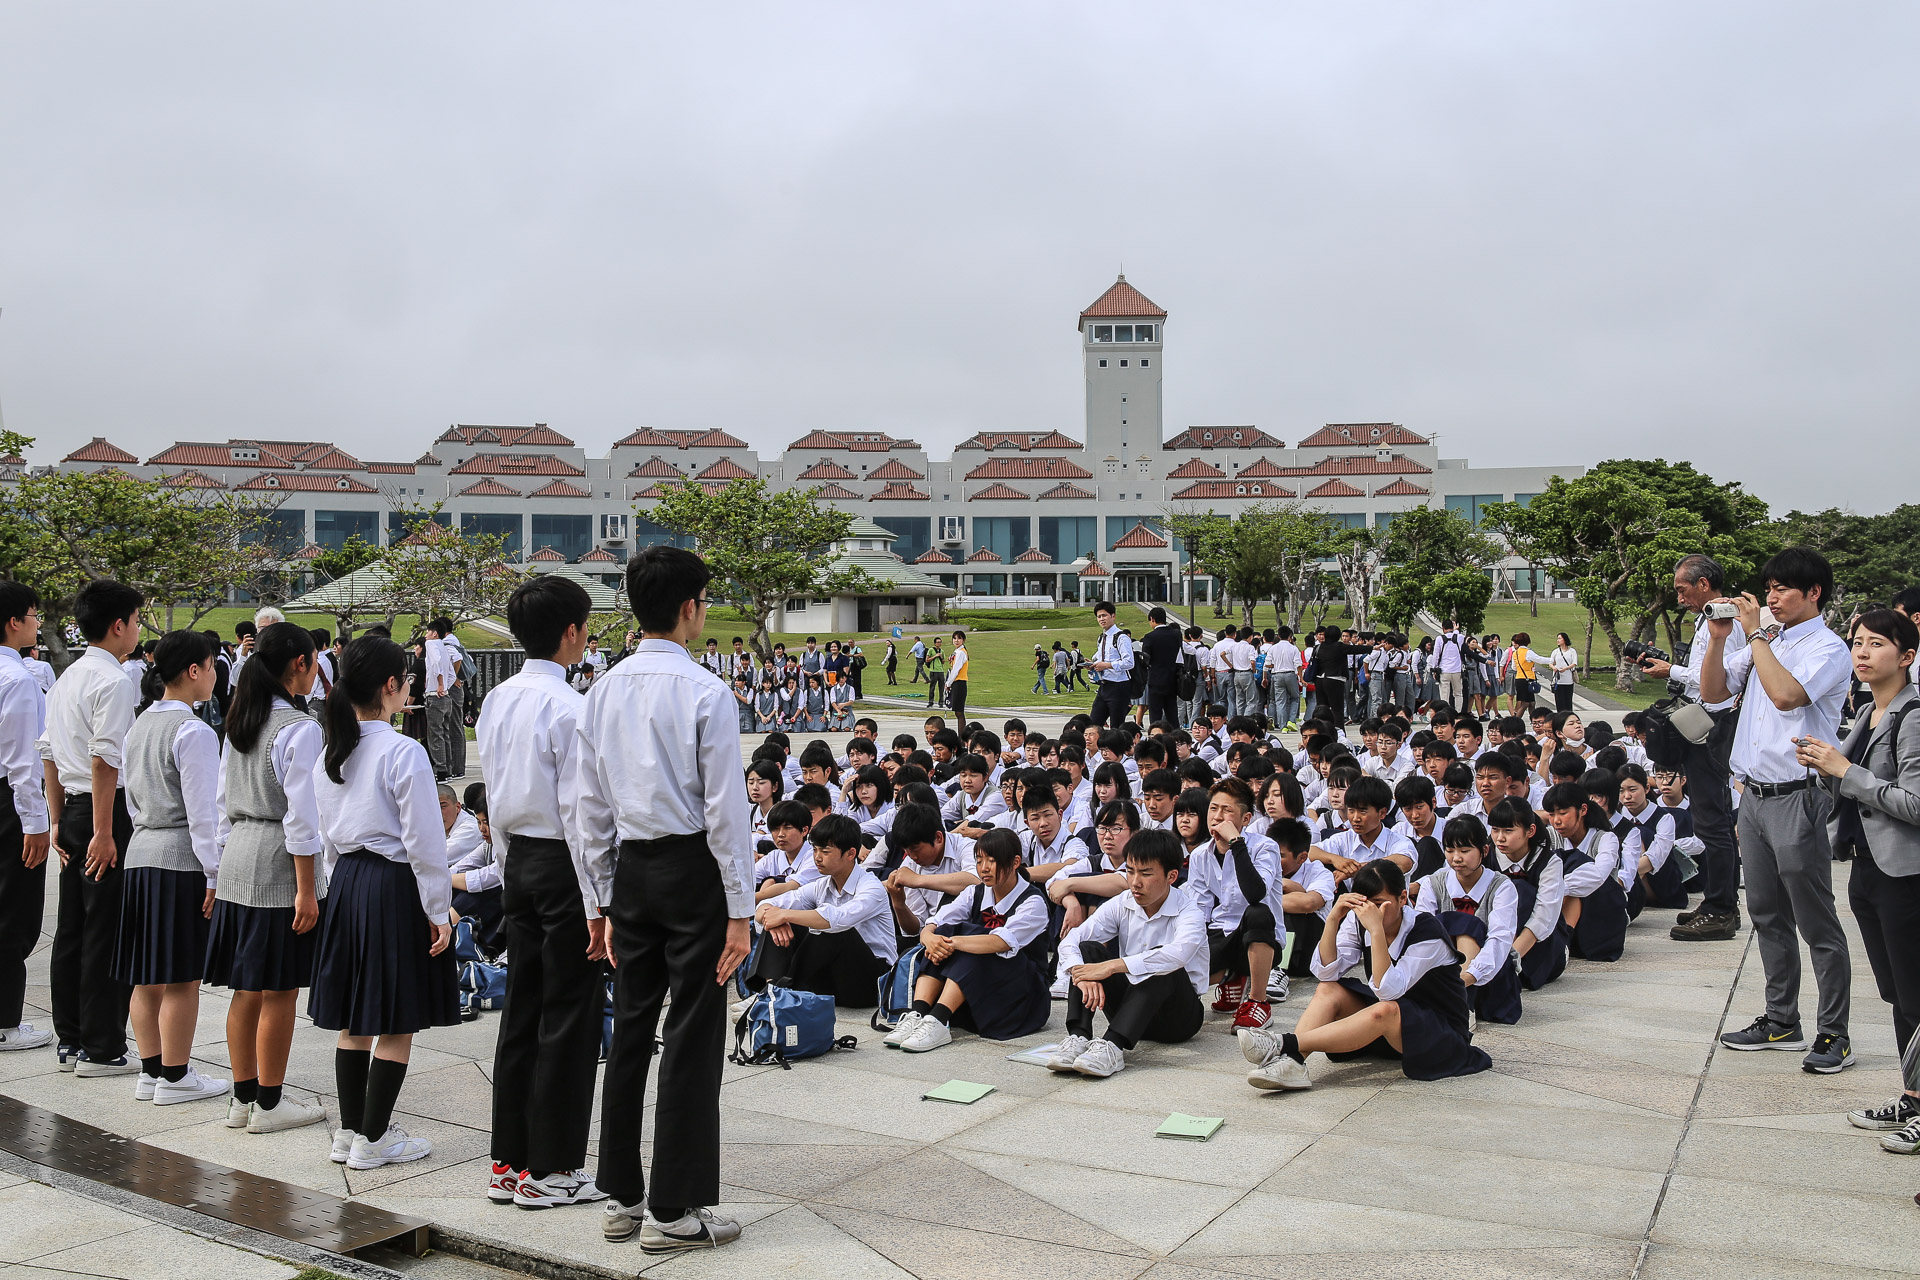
(816,799)
(986,953)
(1413,1007)
(1479,909)
(789,864)
(1157,792)
(1603,789)
(1196,772)
(1524,854)
(1366,837)
(1456,788)
(1013,733)
(1595,907)
(1651,833)
(860,753)
(1306,895)
(870,801)
(1278,799)
(766,783)
(1563,766)
(1073,760)
(1421,823)
(1389,760)
(1610,758)
(1466,738)
(1670,788)
(782,753)
(477,892)
(934,866)
(1110,783)
(1142,957)
(1236,877)
(1045,845)
(1328,815)
(1089,880)
(1491,773)
(833,935)
(1148,754)
(1190,820)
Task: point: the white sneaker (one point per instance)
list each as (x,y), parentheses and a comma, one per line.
(1066,1053)
(1277,986)
(143,1087)
(932,1034)
(1257,1044)
(1103,1058)
(696,1229)
(342,1145)
(1473,1021)
(191,1087)
(238,1113)
(288,1115)
(1273,1069)
(1058,990)
(573,1186)
(24,1036)
(394,1147)
(619,1221)
(903,1031)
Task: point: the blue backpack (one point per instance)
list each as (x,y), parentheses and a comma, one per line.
(482,986)
(896,991)
(782,1026)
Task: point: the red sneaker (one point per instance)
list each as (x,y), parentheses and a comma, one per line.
(502,1182)
(1253,1013)
(1232,992)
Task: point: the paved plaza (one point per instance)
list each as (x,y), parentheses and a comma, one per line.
(1611,1138)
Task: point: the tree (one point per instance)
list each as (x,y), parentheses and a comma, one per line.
(762,545)
(437,570)
(1237,552)
(223,545)
(352,555)
(1358,559)
(1873,556)
(1422,547)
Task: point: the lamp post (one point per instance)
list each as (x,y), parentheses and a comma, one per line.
(1191,541)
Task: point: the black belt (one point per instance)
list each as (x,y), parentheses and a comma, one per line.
(666,844)
(1778,788)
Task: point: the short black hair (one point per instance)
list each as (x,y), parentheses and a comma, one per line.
(1370,793)
(1039,796)
(999,844)
(1415,788)
(1118,813)
(1382,875)
(1800,569)
(103,602)
(1162,848)
(1438,750)
(914,825)
(17,600)
(1161,782)
(179,650)
(1291,835)
(1501,763)
(838,831)
(659,581)
(813,795)
(1458,774)
(790,813)
(541,609)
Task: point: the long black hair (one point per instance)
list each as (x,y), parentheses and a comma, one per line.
(365,667)
(173,654)
(263,679)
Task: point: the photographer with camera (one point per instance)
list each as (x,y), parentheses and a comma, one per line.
(1794,673)
(1698,580)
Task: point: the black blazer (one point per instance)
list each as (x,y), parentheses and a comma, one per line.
(1162,649)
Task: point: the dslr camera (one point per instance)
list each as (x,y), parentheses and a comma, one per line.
(1636,651)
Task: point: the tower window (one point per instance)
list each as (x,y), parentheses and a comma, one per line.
(1123,364)
(1103,364)
(1145,363)
(1123,333)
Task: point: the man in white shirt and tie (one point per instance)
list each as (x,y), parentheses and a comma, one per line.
(1112,669)
(23,813)
(660,786)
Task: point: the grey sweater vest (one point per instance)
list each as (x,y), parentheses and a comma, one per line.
(160,835)
(256,870)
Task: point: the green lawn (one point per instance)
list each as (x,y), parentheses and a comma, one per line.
(404,626)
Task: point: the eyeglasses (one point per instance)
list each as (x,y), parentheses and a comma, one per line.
(703,600)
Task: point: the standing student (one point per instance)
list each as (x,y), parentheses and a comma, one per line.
(544,1060)
(661,824)
(957,679)
(266,907)
(1112,667)
(936,670)
(24,838)
(171,867)
(89,714)
(438,692)
(382,969)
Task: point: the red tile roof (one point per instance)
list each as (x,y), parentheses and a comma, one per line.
(325,457)
(221,455)
(100,450)
(1095,569)
(311,551)
(837,493)
(487,489)
(985,555)
(1400,489)
(655,468)
(428,459)
(1336,489)
(1260,468)
(560,489)
(1196,469)
(1022,440)
(391,468)
(516,464)
(902,492)
(997,492)
(1064,490)
(1397,465)
(193,480)
(599,555)
(1342,435)
(828,469)
(933,555)
(1029,469)
(1138,537)
(655,491)
(894,469)
(725,469)
(1122,299)
(548,554)
(307,482)
(1232,489)
(852,441)
(510,437)
(651,437)
(1248,437)
(1033,555)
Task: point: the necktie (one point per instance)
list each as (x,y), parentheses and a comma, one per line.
(1467,905)
(992,919)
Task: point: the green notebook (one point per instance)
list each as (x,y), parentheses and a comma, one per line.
(1191,1128)
(963,1092)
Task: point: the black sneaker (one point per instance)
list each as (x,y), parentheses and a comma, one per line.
(1831,1055)
(1764,1033)
(1897,1114)
(1686,917)
(1707,928)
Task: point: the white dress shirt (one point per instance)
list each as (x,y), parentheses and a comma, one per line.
(89,714)
(294,758)
(23,718)
(1763,749)
(1117,649)
(1348,844)
(1314,877)
(440,675)
(1410,963)
(860,904)
(659,748)
(1022,926)
(196,754)
(1550,891)
(1170,940)
(469,854)
(956,858)
(389,805)
(1656,853)
(800,869)
(1283,658)
(1216,887)
(525,733)
(43,672)
(1499,916)
(1604,848)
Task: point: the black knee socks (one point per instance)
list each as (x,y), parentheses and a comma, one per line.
(921,1007)
(942,1014)
(174,1075)
(350,1081)
(383,1090)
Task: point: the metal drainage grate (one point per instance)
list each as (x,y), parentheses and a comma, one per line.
(277,1208)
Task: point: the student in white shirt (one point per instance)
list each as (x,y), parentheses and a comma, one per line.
(1235,877)
(89,714)
(440,707)
(1307,892)
(1479,908)
(1595,906)
(171,867)
(474,874)
(1652,834)
(660,783)
(1157,792)
(935,867)
(833,935)
(24,838)
(1142,957)
(1524,854)
(1366,837)
(789,864)
(384,968)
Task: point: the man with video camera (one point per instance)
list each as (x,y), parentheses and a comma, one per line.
(1697,581)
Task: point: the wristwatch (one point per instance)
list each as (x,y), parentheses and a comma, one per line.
(1769,633)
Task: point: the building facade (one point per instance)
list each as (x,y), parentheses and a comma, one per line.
(1007,516)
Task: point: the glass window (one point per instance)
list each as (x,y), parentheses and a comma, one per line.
(987,584)
(1065,539)
(1143,333)
(1350,519)
(1145,363)
(1117,526)
(331,529)
(285,531)
(1381,519)
(1103,333)
(1123,333)
(648,534)
(488,524)
(1005,536)
(570,535)
(1471,505)
(1524,498)
(912,534)
(402,523)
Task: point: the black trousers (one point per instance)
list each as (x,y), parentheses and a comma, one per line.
(1111,702)
(669,927)
(1330,700)
(1227,952)
(1163,705)
(1709,795)
(23,901)
(1164,1008)
(549,1046)
(1306,931)
(1887,909)
(830,964)
(957,699)
(89,1005)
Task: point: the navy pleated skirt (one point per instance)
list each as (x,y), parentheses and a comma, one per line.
(163,936)
(1432,1048)
(372,974)
(256,949)
(1006,998)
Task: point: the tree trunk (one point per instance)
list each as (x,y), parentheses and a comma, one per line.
(53,624)
(1246,611)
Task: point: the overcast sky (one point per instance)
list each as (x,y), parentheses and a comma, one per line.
(1548,233)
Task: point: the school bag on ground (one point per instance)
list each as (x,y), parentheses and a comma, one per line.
(482,986)
(783,1026)
(896,991)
